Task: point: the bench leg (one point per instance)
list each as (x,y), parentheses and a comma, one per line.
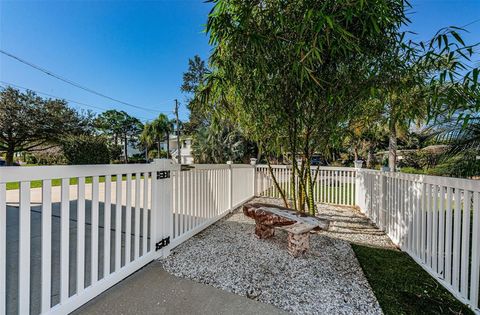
(264,231)
(298,244)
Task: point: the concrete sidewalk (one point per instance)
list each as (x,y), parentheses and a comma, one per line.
(152,290)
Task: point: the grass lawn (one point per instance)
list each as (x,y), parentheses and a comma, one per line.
(402,286)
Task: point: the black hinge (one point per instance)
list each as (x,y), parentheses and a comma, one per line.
(163,174)
(162,243)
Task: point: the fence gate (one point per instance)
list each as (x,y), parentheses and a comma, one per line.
(68,233)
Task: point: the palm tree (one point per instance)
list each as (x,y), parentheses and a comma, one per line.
(463,140)
(147,137)
(163,126)
(156,131)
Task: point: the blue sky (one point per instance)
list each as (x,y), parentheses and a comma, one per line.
(136,51)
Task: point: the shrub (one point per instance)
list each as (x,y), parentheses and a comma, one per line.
(85,149)
(116,151)
(464,164)
(411,170)
(51,156)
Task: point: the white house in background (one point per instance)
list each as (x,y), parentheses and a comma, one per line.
(185,149)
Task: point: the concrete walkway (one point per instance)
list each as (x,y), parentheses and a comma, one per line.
(154,291)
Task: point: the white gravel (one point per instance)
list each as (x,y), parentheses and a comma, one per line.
(349,224)
(227,255)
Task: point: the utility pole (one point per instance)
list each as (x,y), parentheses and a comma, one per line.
(179,157)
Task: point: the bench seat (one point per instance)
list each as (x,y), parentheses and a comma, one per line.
(298,225)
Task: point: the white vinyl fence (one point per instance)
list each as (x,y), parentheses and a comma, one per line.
(333,185)
(68,233)
(436,220)
(205,194)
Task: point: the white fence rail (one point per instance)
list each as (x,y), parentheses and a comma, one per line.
(332,185)
(436,220)
(68,233)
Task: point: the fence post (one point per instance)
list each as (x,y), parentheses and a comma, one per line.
(383,199)
(359,186)
(253,163)
(163,203)
(230,186)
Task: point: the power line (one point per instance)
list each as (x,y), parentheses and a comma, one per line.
(473,22)
(56,76)
(6,84)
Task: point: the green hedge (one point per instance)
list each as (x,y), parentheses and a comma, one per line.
(85,149)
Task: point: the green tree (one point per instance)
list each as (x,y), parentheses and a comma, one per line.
(157,131)
(290,73)
(86,149)
(31,123)
(193,80)
(221,143)
(120,128)
(417,81)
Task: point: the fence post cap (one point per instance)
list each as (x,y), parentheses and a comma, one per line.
(358,163)
(253,161)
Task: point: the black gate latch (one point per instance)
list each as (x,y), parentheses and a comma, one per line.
(162,243)
(163,174)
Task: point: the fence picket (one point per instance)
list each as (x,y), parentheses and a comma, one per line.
(80,234)
(128,219)
(145,214)
(137,215)
(46,244)
(448,237)
(457,232)
(24,250)
(107,213)
(65,241)
(475,273)
(441,234)
(94,230)
(435,229)
(465,243)
(3,247)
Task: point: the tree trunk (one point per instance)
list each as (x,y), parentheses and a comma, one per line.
(277,185)
(392,144)
(302,191)
(355,152)
(9,156)
(309,192)
(293,184)
(158,149)
(370,156)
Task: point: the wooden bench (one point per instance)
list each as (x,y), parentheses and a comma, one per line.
(298,225)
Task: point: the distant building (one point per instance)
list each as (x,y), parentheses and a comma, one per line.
(186,156)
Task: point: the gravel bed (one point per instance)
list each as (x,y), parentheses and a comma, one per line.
(227,255)
(349,224)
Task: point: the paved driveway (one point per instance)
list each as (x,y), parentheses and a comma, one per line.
(36,239)
(154,291)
